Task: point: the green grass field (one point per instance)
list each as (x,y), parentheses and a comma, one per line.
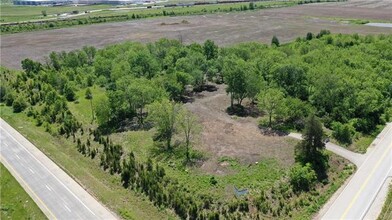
(15,203)
(11,13)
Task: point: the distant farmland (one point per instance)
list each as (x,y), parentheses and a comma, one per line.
(224,28)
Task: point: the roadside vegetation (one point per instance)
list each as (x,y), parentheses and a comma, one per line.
(122,108)
(386,212)
(15,202)
(21,18)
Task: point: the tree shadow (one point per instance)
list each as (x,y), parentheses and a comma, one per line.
(206,87)
(272,131)
(175,156)
(244,111)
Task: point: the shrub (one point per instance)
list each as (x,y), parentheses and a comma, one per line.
(275,41)
(343,132)
(302,177)
(19,104)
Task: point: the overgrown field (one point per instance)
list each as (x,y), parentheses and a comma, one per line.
(15,202)
(122,109)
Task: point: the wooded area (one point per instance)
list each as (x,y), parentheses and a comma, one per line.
(343,82)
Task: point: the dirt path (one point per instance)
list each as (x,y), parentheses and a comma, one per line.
(355,158)
(235,137)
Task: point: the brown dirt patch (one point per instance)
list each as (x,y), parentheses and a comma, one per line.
(235,137)
(286,23)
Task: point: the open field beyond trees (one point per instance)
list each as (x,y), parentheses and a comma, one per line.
(15,203)
(223,28)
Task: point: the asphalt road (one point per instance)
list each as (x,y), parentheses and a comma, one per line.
(56,193)
(358,195)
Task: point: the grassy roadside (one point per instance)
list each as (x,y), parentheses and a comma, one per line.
(15,202)
(98,183)
(386,212)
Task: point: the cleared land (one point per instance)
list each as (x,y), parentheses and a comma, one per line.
(286,23)
(235,137)
(15,202)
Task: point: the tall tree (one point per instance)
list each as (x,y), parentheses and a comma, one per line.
(275,41)
(310,149)
(89,95)
(210,49)
(272,101)
(164,114)
(190,128)
(235,75)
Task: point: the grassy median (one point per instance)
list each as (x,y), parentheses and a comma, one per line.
(98,183)
(15,203)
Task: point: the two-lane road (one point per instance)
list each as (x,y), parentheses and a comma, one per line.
(56,193)
(358,195)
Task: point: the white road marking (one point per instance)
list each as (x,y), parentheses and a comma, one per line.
(69,210)
(5,144)
(48,171)
(31,171)
(48,187)
(17,157)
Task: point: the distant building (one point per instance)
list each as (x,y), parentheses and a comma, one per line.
(66,2)
(42,2)
(110,2)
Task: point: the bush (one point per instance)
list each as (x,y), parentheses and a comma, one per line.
(343,132)
(302,177)
(275,41)
(19,104)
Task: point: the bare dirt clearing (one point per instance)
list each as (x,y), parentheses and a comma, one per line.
(261,25)
(235,137)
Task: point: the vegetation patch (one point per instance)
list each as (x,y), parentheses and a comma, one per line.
(120,117)
(386,212)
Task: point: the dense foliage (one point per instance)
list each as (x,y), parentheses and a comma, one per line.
(345,80)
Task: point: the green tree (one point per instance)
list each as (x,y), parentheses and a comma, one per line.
(210,49)
(272,101)
(29,66)
(311,148)
(190,128)
(343,132)
(103,111)
(235,72)
(19,104)
(309,36)
(143,92)
(164,114)
(302,177)
(68,92)
(251,6)
(275,41)
(254,83)
(89,95)
(292,79)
